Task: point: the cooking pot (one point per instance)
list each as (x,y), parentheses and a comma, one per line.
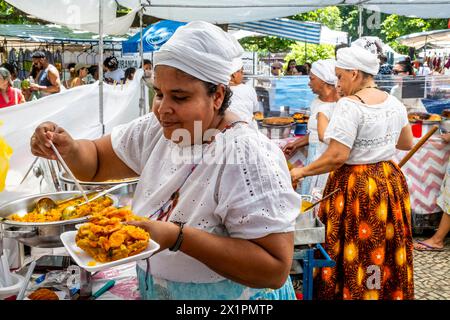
(39,234)
(276,131)
(124,194)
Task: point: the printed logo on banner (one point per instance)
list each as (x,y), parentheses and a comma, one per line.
(125,63)
(160,37)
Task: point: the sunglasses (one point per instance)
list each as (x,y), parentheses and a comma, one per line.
(398,71)
(276,67)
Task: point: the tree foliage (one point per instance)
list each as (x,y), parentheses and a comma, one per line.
(395,26)
(310,53)
(11,15)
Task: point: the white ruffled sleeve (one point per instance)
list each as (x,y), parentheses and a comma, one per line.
(255,196)
(134,141)
(343,126)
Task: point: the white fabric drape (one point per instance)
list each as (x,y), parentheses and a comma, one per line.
(76,110)
(81,14)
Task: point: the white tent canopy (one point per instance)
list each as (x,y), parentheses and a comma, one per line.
(333,37)
(437,38)
(84,14)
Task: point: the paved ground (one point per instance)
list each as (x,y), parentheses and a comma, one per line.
(432,273)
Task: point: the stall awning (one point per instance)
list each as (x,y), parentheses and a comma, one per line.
(437,38)
(284,28)
(154,36)
(84,14)
(51,34)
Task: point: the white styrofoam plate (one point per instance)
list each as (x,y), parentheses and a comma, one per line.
(83,259)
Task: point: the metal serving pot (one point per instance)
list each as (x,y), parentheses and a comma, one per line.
(124,194)
(276,131)
(39,234)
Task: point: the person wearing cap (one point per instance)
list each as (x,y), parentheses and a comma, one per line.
(276,69)
(48,80)
(217,193)
(322,81)
(244,101)
(81,71)
(368,219)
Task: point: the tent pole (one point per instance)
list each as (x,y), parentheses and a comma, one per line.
(141,54)
(360,27)
(100,66)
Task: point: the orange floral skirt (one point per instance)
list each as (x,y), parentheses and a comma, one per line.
(368,234)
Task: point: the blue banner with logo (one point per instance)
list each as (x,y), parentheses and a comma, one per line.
(154,36)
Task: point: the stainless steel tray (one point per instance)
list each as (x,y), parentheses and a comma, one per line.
(312,234)
(308,228)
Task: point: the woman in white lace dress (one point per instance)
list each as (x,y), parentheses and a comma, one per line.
(322,81)
(218,194)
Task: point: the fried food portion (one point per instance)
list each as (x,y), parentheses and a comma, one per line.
(278,121)
(258,115)
(43,294)
(56,214)
(435,117)
(106,239)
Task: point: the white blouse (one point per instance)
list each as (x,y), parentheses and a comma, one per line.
(318,106)
(371,131)
(244,193)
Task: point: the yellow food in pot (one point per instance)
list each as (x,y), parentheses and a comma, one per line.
(56,214)
(305,205)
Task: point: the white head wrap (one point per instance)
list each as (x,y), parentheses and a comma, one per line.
(371,44)
(325,70)
(202,50)
(237,64)
(357,58)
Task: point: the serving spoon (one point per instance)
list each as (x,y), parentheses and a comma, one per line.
(70,210)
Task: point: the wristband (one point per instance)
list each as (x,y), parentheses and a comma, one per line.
(180,238)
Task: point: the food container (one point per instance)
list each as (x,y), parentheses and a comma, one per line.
(39,234)
(308,228)
(125,194)
(276,131)
(277,127)
(6,292)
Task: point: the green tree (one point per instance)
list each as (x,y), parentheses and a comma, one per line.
(329,16)
(311,53)
(11,15)
(395,26)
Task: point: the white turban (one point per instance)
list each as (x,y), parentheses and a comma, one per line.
(325,70)
(237,64)
(202,50)
(357,58)
(372,44)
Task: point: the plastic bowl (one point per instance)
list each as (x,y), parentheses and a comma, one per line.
(6,292)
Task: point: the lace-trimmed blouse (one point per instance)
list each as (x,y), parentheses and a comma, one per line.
(241,188)
(371,131)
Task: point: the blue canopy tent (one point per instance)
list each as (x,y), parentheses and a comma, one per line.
(154,36)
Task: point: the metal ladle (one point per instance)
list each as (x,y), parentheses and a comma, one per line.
(69,211)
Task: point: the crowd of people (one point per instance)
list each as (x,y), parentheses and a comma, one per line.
(292,69)
(44,78)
